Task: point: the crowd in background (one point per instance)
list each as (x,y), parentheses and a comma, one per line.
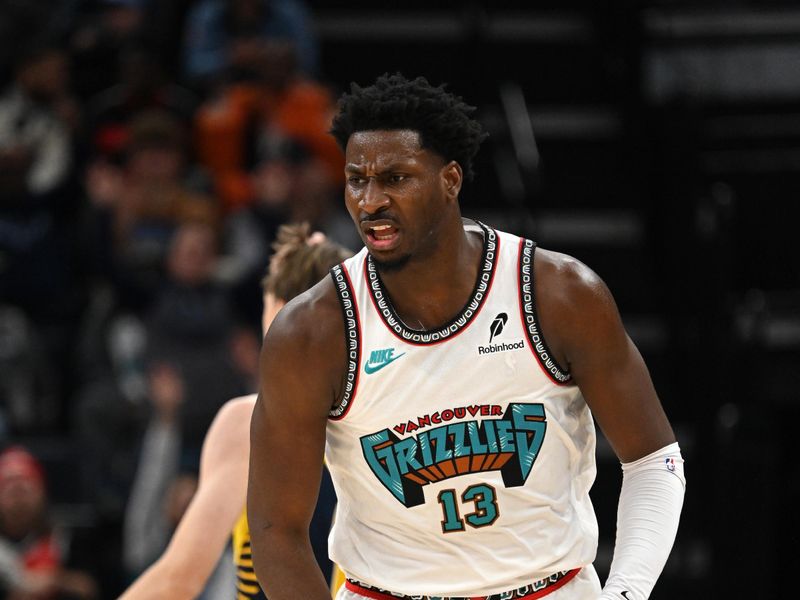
(149,150)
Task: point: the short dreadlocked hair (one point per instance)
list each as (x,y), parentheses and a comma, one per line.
(442,120)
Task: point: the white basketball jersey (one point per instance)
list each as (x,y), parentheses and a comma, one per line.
(462,457)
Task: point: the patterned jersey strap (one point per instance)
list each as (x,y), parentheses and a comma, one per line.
(531,320)
(352,333)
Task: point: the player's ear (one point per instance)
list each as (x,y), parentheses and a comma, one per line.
(452,176)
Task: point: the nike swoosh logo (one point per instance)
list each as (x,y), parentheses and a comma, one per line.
(370,369)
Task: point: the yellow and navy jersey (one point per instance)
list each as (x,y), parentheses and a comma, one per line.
(247,587)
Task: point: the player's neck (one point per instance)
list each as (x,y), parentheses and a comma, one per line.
(429,292)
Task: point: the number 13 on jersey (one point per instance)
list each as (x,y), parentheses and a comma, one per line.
(483,499)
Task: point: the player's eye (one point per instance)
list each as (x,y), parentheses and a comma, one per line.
(396,178)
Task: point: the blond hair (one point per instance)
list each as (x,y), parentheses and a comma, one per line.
(299,261)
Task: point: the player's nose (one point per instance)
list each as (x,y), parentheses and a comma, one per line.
(374,198)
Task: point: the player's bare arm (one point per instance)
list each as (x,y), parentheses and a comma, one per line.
(182,571)
(580,320)
(302,369)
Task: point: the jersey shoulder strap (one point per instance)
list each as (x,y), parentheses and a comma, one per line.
(352,336)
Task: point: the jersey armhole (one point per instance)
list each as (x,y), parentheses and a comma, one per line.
(352,339)
(530,318)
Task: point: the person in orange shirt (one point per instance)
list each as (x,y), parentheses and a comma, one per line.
(273,101)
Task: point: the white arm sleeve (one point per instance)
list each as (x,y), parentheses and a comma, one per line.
(649,509)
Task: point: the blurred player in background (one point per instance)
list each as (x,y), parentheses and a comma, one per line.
(300,260)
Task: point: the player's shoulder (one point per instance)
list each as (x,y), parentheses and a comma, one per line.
(235,408)
(227,439)
(309,322)
(565,275)
(573,304)
(304,356)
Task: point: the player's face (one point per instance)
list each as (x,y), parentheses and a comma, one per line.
(395,193)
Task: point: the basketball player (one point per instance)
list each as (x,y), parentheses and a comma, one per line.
(217,508)
(451,374)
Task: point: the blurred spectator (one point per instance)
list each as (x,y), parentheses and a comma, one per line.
(224,34)
(287,185)
(148,525)
(179,363)
(136,208)
(142,86)
(166,481)
(98,40)
(21,21)
(273,102)
(38,200)
(110,415)
(34,138)
(250,231)
(33,552)
(36,118)
(180,314)
(27,388)
(190,327)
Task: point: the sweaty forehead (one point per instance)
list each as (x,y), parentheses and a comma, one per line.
(380,147)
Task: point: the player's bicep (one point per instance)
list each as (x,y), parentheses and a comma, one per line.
(612,375)
(287,433)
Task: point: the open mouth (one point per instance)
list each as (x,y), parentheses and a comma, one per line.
(381,236)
